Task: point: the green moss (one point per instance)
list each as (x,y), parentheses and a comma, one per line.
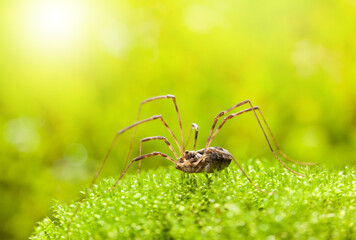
(167,204)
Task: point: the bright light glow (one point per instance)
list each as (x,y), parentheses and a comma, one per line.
(54,21)
(54,24)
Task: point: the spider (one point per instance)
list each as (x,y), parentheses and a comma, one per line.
(208,159)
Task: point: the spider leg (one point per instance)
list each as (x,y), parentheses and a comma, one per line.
(155,138)
(219,116)
(277,146)
(124,130)
(196,128)
(155,117)
(221,152)
(138,116)
(264,133)
(139,158)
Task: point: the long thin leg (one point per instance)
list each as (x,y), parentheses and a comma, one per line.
(274,140)
(259,189)
(138,116)
(107,155)
(277,146)
(219,116)
(155,138)
(139,158)
(124,130)
(269,144)
(196,128)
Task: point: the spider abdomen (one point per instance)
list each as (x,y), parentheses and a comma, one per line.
(213,161)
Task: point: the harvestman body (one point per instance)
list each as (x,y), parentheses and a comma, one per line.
(208,159)
(216,160)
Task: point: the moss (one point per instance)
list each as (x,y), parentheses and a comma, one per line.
(167,204)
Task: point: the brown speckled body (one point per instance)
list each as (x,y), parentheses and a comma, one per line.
(215,160)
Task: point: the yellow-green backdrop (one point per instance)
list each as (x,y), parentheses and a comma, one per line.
(72,73)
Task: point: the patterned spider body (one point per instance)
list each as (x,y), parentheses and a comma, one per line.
(213,160)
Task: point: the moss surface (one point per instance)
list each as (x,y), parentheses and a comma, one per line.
(167,204)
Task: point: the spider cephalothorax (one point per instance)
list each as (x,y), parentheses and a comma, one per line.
(211,162)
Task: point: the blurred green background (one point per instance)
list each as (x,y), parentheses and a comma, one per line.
(74,72)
